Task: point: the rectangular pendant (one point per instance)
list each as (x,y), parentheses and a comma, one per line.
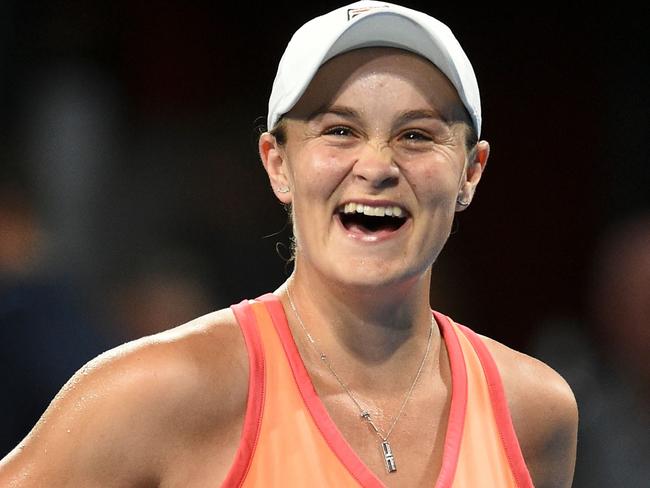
(389,459)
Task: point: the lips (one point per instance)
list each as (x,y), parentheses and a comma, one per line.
(372,221)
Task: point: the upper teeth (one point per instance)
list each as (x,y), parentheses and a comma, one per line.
(394,211)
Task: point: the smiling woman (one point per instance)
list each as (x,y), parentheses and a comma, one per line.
(343,376)
(376,128)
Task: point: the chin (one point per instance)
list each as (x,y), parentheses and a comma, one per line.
(375,274)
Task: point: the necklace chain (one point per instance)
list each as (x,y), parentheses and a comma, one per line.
(365,415)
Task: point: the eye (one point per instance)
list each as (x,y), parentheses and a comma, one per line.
(340,131)
(415,136)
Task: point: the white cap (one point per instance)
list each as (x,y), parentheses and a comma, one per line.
(365,24)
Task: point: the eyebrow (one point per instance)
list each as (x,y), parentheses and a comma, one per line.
(411,115)
(340,110)
(403,118)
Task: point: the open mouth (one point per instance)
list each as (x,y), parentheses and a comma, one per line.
(368,219)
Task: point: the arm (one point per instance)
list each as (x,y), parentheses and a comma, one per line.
(132,415)
(544,414)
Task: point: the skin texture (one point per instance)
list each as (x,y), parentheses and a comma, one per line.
(376,125)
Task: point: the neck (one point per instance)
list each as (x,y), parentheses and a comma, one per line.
(370,324)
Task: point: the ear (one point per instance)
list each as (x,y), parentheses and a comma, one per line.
(274,161)
(475,166)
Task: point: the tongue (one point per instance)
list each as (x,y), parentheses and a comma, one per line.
(356,227)
(374,229)
(366,233)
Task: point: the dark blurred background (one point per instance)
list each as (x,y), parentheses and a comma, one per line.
(132,197)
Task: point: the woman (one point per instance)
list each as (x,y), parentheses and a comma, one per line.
(342,376)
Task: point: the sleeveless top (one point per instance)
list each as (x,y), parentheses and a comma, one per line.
(289,440)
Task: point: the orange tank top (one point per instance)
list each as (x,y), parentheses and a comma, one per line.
(289,440)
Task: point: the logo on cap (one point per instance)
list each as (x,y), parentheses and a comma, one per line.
(355,12)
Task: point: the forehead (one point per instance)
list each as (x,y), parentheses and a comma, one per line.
(347,72)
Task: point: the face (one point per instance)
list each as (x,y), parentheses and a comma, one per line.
(375,159)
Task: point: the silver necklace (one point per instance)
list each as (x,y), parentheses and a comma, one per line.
(386,449)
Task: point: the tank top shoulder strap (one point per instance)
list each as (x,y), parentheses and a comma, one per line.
(490,454)
(256,392)
(285,420)
(500,409)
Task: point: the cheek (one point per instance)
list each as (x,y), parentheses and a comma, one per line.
(320,172)
(436,183)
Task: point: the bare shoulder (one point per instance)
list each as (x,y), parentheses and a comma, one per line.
(544,413)
(120,418)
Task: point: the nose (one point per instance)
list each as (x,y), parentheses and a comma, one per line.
(376,167)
